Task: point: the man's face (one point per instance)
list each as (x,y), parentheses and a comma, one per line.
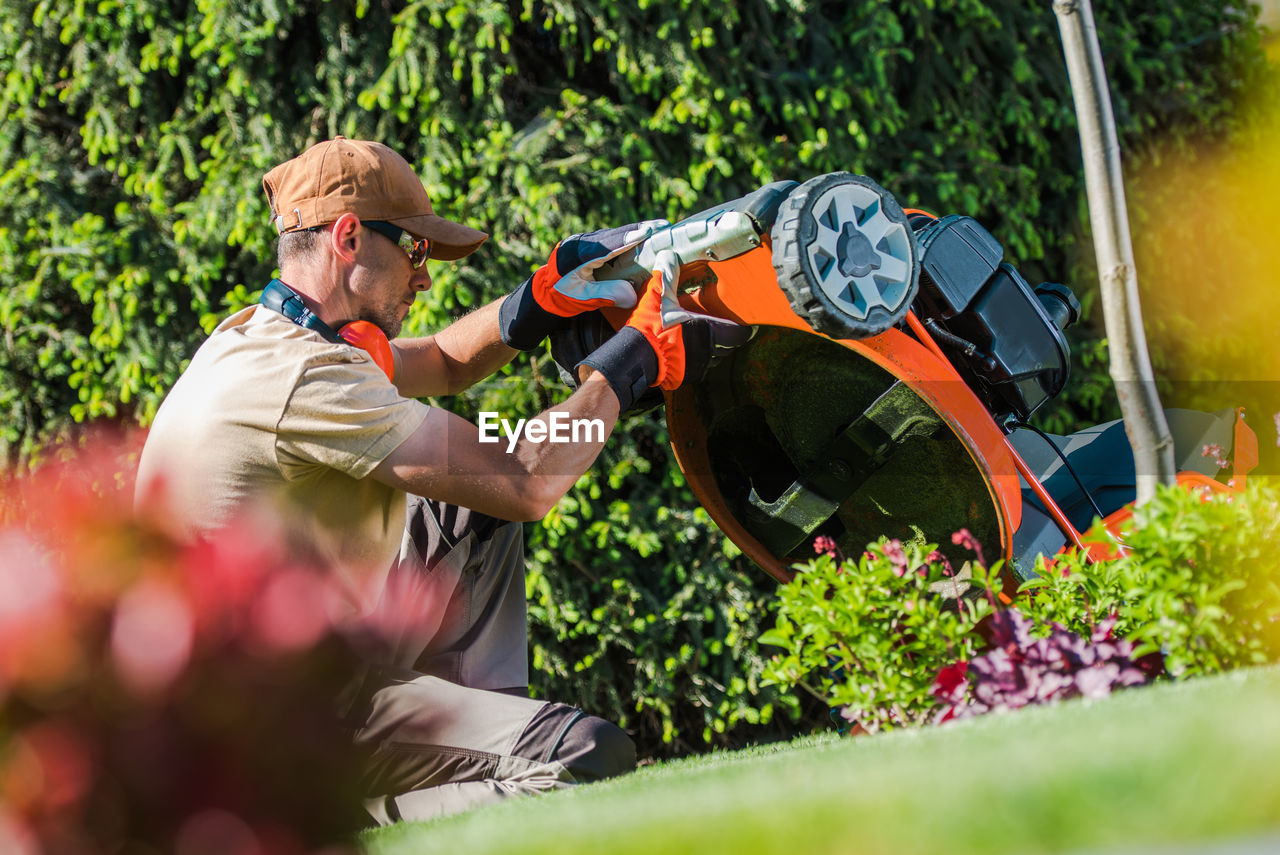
(387,283)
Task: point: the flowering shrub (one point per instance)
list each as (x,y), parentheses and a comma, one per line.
(1197,585)
(157,697)
(1195,590)
(868,636)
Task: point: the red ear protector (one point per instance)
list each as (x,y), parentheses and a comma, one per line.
(362,334)
(372,341)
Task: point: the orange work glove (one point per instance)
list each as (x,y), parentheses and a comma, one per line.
(663,344)
(567,286)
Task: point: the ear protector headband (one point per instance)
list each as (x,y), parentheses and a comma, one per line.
(279,297)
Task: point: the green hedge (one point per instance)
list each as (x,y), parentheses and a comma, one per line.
(133,137)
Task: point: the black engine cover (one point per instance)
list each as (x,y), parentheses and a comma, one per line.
(995,329)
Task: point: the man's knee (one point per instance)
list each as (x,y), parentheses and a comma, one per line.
(589,747)
(594,748)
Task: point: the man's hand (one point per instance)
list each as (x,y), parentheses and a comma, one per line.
(566,285)
(663,344)
(684,342)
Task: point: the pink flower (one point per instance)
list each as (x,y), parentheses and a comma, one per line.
(965,539)
(824,545)
(935,557)
(151,635)
(1214,452)
(294,611)
(62,759)
(897,557)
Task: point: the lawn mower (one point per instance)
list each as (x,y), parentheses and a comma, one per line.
(896,361)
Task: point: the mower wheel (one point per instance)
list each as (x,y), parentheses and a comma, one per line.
(845,256)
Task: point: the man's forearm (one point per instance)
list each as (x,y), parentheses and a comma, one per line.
(517,477)
(594,409)
(457,357)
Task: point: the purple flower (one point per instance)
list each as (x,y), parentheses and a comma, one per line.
(1104,630)
(1010,627)
(1097,680)
(1021,669)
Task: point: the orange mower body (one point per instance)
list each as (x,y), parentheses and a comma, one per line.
(895,361)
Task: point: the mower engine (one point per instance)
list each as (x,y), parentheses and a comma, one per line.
(1005,339)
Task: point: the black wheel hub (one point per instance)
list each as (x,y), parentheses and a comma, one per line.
(857,256)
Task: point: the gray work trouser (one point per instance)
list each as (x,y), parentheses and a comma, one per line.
(447,723)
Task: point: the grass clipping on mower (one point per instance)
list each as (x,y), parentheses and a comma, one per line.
(807,437)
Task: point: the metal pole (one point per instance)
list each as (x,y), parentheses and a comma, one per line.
(1130,369)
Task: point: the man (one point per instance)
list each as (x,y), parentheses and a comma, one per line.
(405,502)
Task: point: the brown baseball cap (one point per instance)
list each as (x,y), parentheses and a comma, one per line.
(368,179)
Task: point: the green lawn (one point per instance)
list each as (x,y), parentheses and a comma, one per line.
(1156,767)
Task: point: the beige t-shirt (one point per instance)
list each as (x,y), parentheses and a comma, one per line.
(269,410)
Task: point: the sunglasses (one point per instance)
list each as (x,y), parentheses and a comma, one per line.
(418,250)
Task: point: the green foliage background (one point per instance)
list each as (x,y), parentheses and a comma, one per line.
(133,137)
